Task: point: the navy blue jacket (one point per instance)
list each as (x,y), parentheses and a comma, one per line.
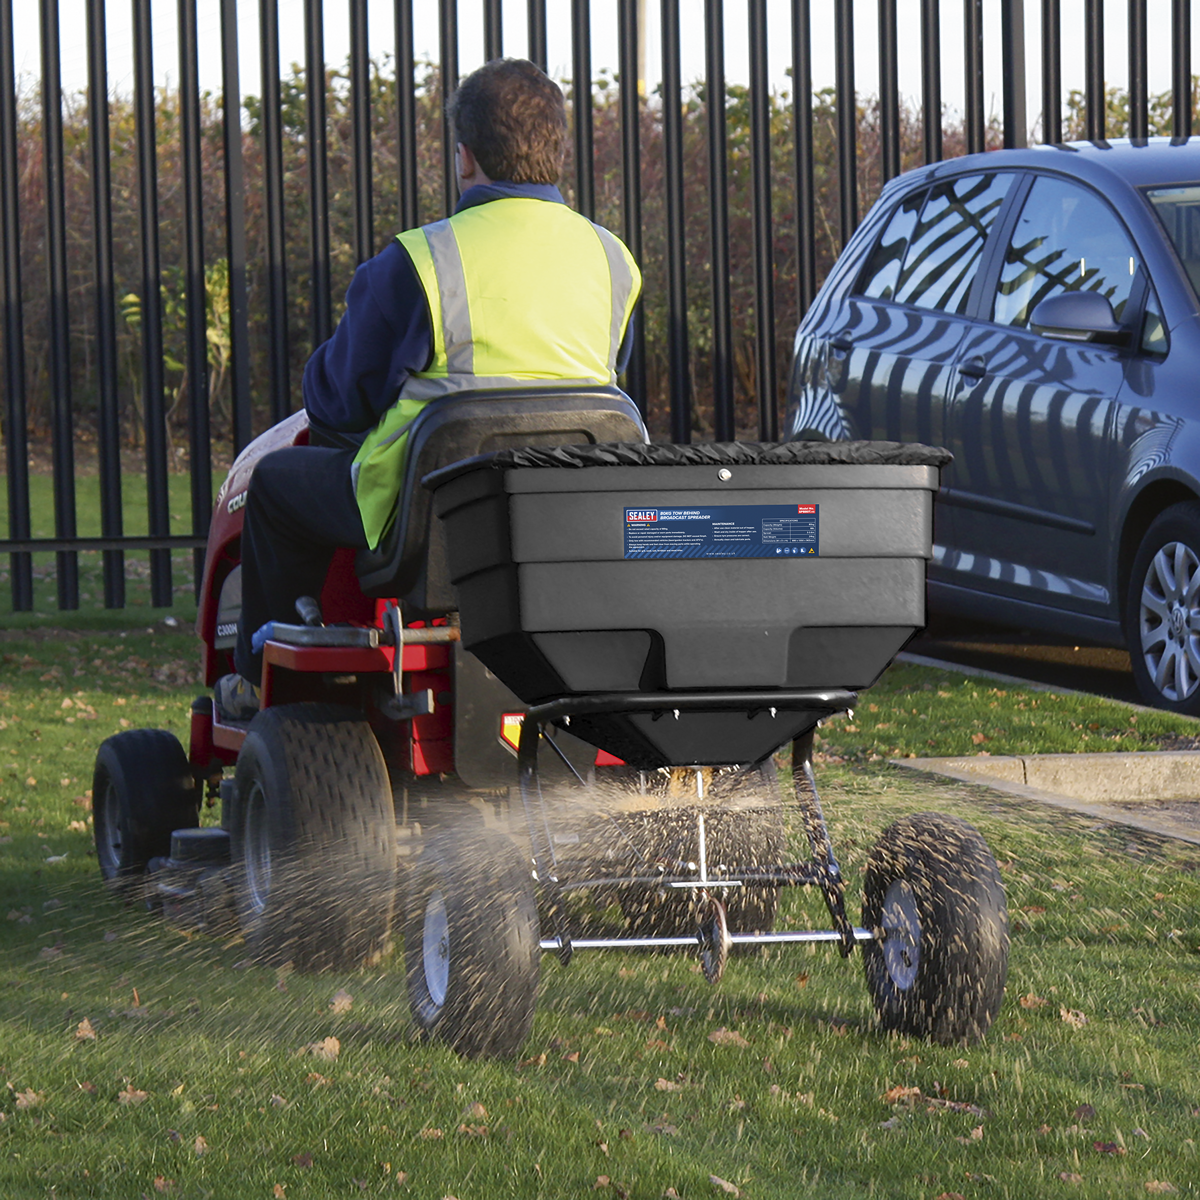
(385,334)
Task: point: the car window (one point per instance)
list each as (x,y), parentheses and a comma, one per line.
(945,247)
(1066,240)
(1179,210)
(883,271)
(1154,327)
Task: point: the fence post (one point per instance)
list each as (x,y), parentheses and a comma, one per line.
(724,423)
(108,413)
(1012,53)
(199,458)
(16,441)
(62,414)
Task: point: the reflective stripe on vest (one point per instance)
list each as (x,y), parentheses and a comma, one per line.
(545,302)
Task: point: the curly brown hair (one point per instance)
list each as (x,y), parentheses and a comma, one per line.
(513,118)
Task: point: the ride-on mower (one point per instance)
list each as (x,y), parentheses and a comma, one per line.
(610,638)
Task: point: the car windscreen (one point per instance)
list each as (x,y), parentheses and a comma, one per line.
(1178,209)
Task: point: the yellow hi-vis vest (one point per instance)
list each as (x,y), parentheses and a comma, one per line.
(521,292)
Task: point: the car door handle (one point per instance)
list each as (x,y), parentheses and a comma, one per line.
(973,368)
(842,344)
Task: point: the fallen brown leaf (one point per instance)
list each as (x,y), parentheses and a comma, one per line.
(342,1001)
(200,1146)
(1085,1112)
(431,1135)
(1108,1147)
(723,1185)
(84,1031)
(896,1094)
(131,1096)
(474,1130)
(1070,1177)
(1073,1017)
(1031,1001)
(303,1161)
(667,1085)
(1160,1187)
(602,1181)
(326,1050)
(727,1037)
(163,1184)
(278,1192)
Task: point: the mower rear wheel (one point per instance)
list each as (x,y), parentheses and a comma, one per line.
(142,791)
(472,950)
(744,827)
(932,887)
(316,838)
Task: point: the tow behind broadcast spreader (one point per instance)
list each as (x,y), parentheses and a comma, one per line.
(616,638)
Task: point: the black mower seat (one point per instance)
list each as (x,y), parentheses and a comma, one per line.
(410,562)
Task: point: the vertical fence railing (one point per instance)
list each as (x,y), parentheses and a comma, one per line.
(718,221)
(195,284)
(629,45)
(316,129)
(678,372)
(802,148)
(931,79)
(108,414)
(16,441)
(62,416)
(360,115)
(288,259)
(234,179)
(763,225)
(150,311)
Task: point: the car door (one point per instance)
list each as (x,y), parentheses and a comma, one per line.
(890,358)
(1030,416)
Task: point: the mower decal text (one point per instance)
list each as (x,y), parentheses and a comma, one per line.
(724,531)
(236,502)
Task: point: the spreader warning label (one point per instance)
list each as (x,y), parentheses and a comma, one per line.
(723,531)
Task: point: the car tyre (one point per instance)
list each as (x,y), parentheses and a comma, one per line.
(1162,611)
(932,887)
(142,791)
(315,844)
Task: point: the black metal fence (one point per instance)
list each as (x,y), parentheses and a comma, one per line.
(735,219)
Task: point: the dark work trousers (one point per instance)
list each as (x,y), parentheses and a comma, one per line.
(299,510)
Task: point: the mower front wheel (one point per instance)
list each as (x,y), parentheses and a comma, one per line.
(142,791)
(316,838)
(471,943)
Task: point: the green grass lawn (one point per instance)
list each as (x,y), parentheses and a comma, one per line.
(91,574)
(137,1061)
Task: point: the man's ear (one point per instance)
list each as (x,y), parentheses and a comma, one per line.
(467,165)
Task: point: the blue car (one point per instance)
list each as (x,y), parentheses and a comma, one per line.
(1036,312)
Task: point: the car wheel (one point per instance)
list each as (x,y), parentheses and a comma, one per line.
(142,791)
(1162,611)
(933,889)
(316,844)
(472,950)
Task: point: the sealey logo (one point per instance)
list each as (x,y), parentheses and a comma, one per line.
(641,514)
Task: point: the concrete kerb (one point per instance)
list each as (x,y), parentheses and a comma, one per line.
(1156,791)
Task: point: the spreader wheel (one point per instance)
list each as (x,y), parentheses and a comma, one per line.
(471,944)
(142,790)
(316,838)
(933,889)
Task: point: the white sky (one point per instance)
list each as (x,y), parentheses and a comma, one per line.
(604,42)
